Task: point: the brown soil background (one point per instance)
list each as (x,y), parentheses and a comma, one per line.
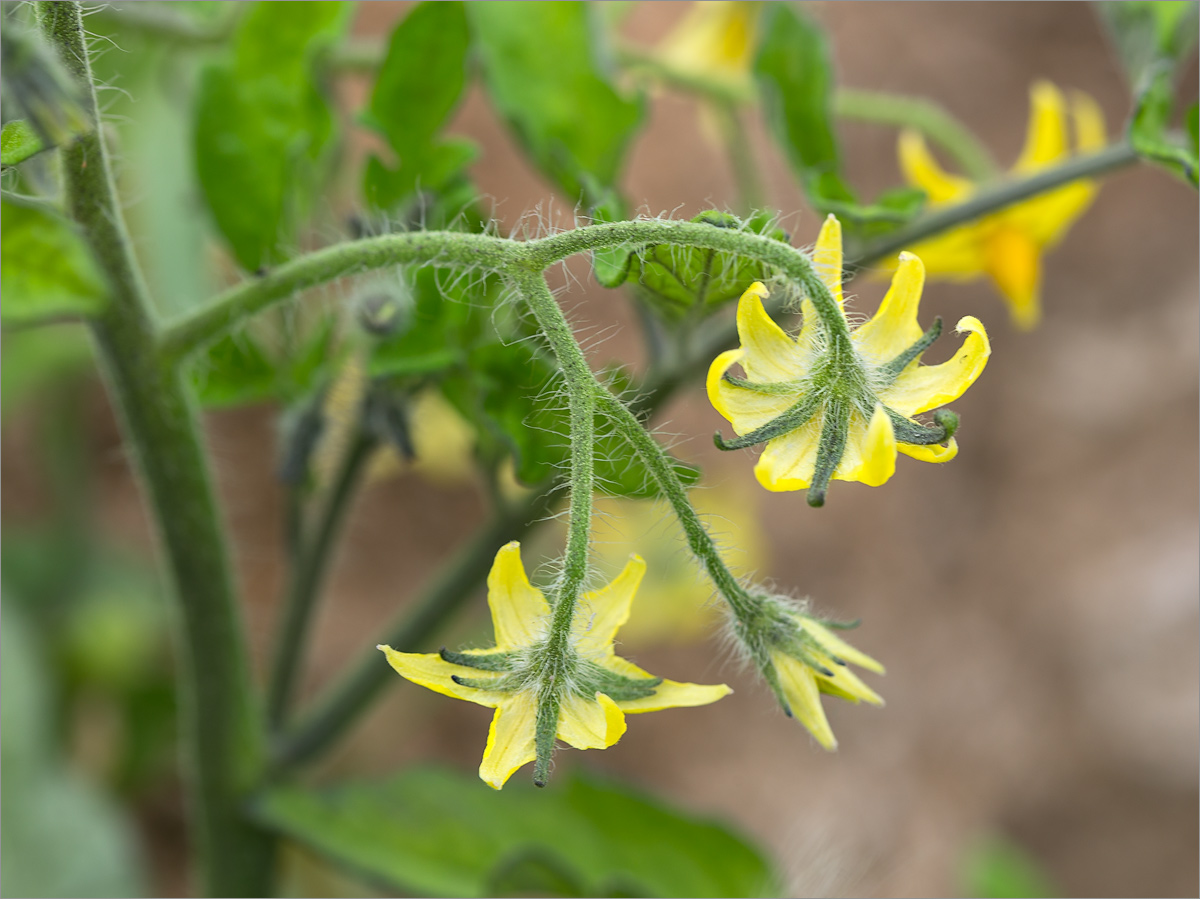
(1035,600)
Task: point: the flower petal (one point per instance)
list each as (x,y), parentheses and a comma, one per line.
(827,256)
(894,328)
(1014,262)
(870,455)
(849,685)
(519,610)
(957,254)
(1089,123)
(800,687)
(835,645)
(787,462)
(931,453)
(742,407)
(923,171)
(673,694)
(432,671)
(1046,138)
(590,723)
(929,386)
(510,742)
(770,355)
(602,612)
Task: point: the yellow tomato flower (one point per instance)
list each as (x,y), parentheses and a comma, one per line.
(1007,246)
(539,695)
(715,40)
(804,658)
(830,407)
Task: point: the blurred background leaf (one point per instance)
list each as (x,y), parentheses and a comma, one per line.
(45,267)
(429,831)
(416,91)
(997,868)
(263,127)
(548,75)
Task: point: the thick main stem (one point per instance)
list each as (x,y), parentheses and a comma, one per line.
(223,748)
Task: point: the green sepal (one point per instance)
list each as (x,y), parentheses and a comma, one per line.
(591,678)
(891,370)
(916,434)
(835,430)
(680,281)
(546,731)
(484,661)
(795,417)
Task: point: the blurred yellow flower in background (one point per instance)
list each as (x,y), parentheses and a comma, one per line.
(678,608)
(1007,246)
(714,41)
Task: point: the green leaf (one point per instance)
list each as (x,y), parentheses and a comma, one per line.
(46,268)
(676,281)
(35,359)
(795,78)
(263,127)
(18,141)
(548,75)
(998,868)
(513,394)
(1148,132)
(432,832)
(418,88)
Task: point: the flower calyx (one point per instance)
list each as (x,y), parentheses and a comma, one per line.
(837,402)
(801,657)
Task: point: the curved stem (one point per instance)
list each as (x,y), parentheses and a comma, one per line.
(656,459)
(1007,193)
(741,157)
(582,405)
(221,733)
(307,576)
(925,116)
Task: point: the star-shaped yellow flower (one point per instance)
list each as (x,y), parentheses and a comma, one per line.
(839,403)
(715,40)
(580,697)
(1007,246)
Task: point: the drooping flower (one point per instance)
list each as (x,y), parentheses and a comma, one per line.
(1007,246)
(579,693)
(801,657)
(836,403)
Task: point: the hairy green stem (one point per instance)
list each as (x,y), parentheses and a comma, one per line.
(582,406)
(222,740)
(307,576)
(627,425)
(457,581)
(923,115)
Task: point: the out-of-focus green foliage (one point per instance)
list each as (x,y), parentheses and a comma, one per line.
(59,835)
(45,268)
(1148,129)
(432,832)
(418,88)
(997,868)
(794,69)
(18,142)
(547,73)
(263,127)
